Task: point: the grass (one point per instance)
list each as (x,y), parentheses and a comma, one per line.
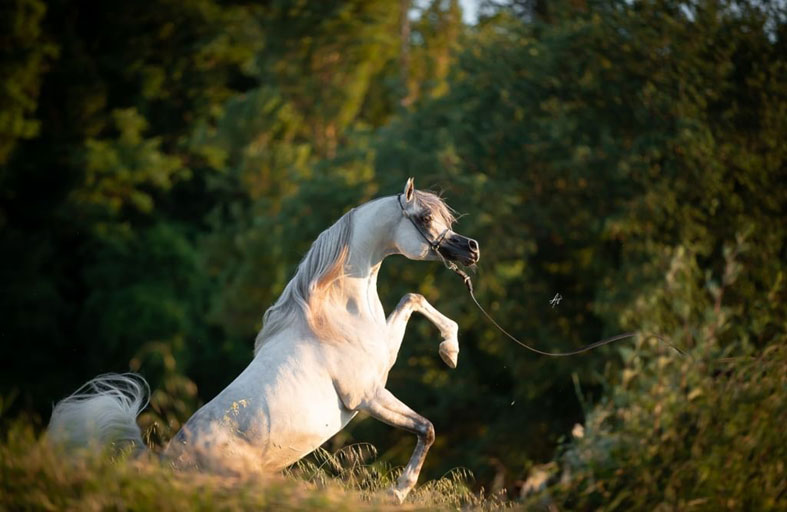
(35,476)
(676,434)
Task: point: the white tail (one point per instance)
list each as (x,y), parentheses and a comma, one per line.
(102,413)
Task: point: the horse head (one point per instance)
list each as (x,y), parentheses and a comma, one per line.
(424,232)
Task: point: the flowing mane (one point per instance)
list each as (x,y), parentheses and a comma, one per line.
(316,276)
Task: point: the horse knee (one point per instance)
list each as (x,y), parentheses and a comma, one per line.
(428,433)
(411,298)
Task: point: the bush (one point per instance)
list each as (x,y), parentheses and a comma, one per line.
(679,434)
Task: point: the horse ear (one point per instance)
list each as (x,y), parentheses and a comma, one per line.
(409,190)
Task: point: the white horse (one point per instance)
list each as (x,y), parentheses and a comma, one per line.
(323,354)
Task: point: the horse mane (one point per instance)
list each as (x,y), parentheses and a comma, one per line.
(309,292)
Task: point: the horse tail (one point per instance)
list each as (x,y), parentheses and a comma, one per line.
(102,413)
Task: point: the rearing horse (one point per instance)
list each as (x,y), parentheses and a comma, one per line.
(323,354)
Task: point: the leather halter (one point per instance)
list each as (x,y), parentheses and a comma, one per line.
(434,244)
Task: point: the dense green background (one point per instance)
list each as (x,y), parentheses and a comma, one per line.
(165,164)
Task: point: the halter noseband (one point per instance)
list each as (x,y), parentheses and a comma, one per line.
(434,244)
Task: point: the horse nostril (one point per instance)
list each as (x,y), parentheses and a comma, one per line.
(473,245)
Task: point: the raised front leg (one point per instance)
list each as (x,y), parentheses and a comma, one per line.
(397,322)
(389,409)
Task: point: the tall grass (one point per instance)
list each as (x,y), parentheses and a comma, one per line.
(36,476)
(353,468)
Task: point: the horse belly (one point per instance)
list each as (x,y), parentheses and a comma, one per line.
(279,409)
(302,418)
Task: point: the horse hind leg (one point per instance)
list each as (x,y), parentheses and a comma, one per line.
(389,409)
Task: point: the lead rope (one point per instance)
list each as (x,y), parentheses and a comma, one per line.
(469,285)
(435,246)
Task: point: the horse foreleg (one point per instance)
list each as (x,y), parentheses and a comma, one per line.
(397,322)
(389,409)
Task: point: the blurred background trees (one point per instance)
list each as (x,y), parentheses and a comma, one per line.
(163,167)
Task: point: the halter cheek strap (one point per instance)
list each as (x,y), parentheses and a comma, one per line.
(434,244)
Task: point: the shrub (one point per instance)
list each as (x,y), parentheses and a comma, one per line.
(680,434)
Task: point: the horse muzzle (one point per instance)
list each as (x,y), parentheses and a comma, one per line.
(460,249)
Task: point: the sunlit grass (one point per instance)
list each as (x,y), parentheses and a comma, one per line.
(36,476)
(354,469)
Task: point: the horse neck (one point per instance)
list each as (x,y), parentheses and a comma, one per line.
(371,242)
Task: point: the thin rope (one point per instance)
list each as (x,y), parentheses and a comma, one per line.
(469,284)
(435,246)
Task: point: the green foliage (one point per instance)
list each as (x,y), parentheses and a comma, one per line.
(684,434)
(166,165)
(117,172)
(25,53)
(617,157)
(697,432)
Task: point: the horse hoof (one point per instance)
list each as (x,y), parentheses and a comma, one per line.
(397,495)
(449,352)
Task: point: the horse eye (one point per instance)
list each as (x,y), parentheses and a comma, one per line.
(427,218)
